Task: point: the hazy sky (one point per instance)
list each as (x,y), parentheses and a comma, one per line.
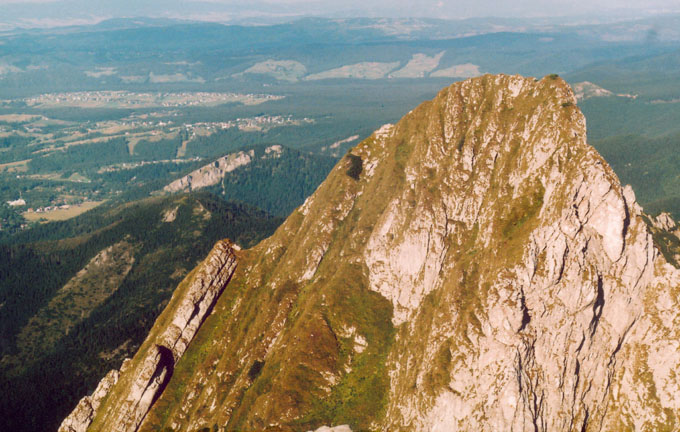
(54,12)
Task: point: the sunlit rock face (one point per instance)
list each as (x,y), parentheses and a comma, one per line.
(476,266)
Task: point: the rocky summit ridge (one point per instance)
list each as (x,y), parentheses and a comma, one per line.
(476,266)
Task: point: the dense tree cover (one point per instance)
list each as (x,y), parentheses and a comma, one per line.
(614,116)
(14,148)
(653,78)
(277,183)
(158,150)
(222,141)
(650,165)
(11,220)
(41,391)
(140,175)
(9,141)
(80,157)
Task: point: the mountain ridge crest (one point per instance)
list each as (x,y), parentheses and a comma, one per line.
(476,265)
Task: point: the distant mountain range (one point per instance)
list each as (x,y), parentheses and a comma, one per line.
(210,56)
(75,12)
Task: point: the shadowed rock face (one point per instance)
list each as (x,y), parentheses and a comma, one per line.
(483,270)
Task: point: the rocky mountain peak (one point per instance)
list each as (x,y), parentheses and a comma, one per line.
(476,265)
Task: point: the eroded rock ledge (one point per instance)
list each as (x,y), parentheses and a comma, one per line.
(160,351)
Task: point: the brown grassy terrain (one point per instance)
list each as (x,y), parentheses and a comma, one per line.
(62,214)
(18,166)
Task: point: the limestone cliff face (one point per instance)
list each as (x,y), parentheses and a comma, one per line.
(210,174)
(476,266)
(214,172)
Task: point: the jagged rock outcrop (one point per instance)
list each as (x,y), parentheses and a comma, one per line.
(341,428)
(212,173)
(665,222)
(151,373)
(476,266)
(81,417)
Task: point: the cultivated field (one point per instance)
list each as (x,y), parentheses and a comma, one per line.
(60,214)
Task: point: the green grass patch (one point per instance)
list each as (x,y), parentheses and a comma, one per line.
(522,210)
(440,374)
